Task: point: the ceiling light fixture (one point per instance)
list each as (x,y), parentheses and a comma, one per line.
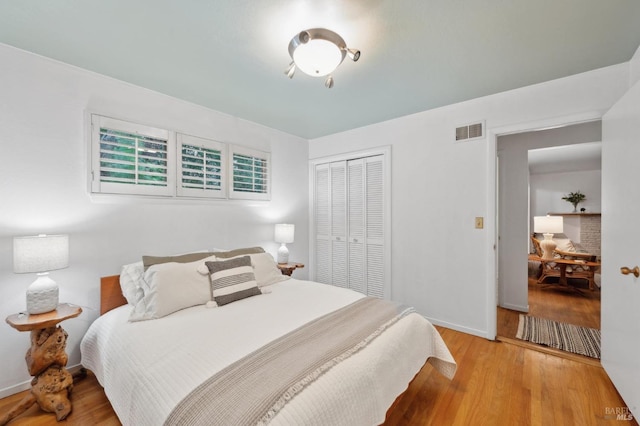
(318,52)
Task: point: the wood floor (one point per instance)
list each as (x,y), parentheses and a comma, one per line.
(496,384)
(503,384)
(90,407)
(555,303)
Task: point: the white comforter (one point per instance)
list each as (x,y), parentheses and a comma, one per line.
(148,367)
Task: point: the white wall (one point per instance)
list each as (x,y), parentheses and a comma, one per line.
(43,190)
(515,194)
(634,66)
(547,190)
(440,263)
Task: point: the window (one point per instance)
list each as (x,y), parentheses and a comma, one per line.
(201,167)
(130,158)
(250,174)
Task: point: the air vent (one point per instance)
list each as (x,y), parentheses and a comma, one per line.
(470,131)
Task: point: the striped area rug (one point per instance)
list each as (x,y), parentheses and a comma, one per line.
(559,335)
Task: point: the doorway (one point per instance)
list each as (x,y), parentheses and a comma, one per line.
(526,189)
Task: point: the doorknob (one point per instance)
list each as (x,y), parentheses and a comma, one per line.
(626,271)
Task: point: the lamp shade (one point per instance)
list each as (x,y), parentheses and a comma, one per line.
(40,253)
(318,57)
(284,233)
(318,52)
(548,224)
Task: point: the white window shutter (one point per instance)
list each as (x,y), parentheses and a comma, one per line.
(250,174)
(130,158)
(136,159)
(201,167)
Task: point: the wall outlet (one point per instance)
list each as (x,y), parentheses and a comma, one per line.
(479,222)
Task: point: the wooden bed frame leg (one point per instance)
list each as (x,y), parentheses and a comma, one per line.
(20,408)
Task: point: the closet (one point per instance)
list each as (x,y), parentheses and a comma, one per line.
(350,241)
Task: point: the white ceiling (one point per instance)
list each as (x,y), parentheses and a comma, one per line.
(416,54)
(566,158)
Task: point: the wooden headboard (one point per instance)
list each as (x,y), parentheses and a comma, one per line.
(110,294)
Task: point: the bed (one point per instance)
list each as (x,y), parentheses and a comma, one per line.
(237,363)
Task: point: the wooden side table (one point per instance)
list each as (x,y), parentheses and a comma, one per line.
(46,360)
(288,268)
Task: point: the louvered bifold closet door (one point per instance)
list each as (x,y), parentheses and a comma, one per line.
(350,225)
(322,214)
(356,229)
(339,263)
(374,206)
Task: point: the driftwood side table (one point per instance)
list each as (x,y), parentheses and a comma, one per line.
(288,268)
(46,360)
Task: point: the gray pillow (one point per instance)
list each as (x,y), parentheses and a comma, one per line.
(237,252)
(148,261)
(232,280)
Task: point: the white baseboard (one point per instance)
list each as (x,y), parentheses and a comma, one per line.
(518,308)
(17,388)
(467,330)
(12,390)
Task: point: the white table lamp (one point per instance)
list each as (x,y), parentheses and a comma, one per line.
(547,226)
(284,234)
(41,254)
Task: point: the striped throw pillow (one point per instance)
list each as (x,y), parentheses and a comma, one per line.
(232,280)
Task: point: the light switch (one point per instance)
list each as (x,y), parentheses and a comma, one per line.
(479,222)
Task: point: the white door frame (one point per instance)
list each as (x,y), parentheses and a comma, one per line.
(492,211)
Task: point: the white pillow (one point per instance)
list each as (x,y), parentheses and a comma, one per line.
(131,277)
(564,244)
(266,269)
(170,287)
(131,280)
(264,266)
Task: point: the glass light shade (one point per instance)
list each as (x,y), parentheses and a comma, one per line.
(318,57)
(548,224)
(284,233)
(40,253)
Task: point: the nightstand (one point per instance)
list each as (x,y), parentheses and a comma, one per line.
(46,361)
(288,268)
